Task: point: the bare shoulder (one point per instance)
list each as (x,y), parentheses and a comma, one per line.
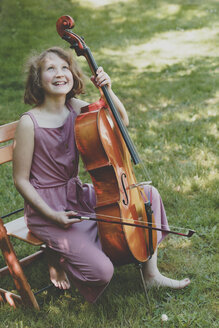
(77,104)
(25,126)
(23,148)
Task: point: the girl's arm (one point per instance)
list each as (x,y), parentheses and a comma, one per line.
(22,160)
(102,79)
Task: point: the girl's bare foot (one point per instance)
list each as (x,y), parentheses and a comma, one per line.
(153,277)
(158,280)
(57,275)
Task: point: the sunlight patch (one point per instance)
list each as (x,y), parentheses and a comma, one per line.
(214,131)
(169,48)
(207,159)
(184,116)
(178,243)
(166,10)
(214,100)
(175,242)
(199,182)
(175,46)
(100,3)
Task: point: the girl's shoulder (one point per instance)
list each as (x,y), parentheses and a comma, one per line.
(26,119)
(25,127)
(77,104)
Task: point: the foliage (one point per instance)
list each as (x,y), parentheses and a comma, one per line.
(162,58)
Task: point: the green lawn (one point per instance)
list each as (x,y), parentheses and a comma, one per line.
(162,57)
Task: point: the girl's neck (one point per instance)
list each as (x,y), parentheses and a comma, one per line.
(53,105)
(51,114)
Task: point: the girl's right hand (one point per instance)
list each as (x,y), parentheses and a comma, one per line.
(64,219)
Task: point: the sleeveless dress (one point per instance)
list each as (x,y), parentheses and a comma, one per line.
(54,175)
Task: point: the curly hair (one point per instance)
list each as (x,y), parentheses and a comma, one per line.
(34,93)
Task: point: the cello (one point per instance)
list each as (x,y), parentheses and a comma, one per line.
(126,223)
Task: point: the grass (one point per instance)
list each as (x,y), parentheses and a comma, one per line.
(163,59)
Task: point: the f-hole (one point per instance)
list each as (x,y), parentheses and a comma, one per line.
(123,178)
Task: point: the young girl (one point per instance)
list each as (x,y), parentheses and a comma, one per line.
(45,166)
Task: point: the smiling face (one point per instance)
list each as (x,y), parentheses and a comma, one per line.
(53,72)
(56,76)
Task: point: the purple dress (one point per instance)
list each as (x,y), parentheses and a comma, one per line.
(54,174)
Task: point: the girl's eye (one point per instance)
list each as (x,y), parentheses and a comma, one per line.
(50,68)
(65,67)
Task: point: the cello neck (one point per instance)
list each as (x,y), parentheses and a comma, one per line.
(132,150)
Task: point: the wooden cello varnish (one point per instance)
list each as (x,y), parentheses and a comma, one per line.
(108,162)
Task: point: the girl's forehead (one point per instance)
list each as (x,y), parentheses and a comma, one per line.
(53,58)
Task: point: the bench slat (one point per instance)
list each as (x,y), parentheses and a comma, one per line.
(6,154)
(18,228)
(7,131)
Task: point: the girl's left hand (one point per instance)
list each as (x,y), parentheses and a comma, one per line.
(101,79)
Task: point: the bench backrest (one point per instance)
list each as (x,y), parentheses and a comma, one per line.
(17,227)
(7,132)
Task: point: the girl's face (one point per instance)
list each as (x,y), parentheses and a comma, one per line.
(56,77)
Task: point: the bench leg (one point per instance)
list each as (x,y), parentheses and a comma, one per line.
(11,298)
(23,262)
(15,269)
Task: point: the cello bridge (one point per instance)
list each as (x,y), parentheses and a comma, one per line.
(136,185)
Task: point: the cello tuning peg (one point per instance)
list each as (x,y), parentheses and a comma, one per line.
(74,45)
(66,37)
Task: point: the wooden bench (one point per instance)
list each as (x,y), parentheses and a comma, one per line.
(16,228)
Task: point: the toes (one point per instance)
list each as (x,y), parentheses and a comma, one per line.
(59,285)
(184,283)
(67,284)
(55,283)
(63,284)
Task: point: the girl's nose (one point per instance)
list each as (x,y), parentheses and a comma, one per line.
(59,72)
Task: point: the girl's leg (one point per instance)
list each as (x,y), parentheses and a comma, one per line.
(81,259)
(151,273)
(153,277)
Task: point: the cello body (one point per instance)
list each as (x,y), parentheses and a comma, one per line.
(108,162)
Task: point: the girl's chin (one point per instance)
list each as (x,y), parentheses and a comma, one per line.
(59,91)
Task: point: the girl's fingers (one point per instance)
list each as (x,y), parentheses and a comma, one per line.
(73,220)
(71,213)
(103,79)
(70,222)
(68,218)
(99,70)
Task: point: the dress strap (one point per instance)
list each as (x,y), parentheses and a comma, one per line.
(69,106)
(32,118)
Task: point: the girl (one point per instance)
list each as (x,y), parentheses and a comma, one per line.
(45,166)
